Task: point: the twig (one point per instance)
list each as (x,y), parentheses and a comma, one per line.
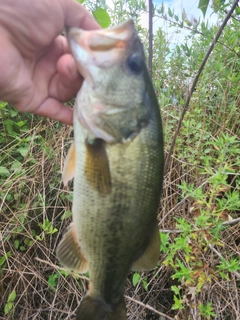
(150,37)
(227,223)
(147,306)
(185,108)
(234,221)
(170,231)
(54,266)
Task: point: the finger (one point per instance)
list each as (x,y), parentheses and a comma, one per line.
(77,16)
(59,80)
(66,66)
(67,81)
(55,110)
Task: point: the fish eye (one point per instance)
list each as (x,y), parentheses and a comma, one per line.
(134,63)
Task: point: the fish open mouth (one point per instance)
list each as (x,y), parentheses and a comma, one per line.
(102,47)
(103,39)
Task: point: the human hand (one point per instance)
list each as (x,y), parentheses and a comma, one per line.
(38,73)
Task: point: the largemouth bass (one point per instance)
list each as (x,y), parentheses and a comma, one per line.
(117,164)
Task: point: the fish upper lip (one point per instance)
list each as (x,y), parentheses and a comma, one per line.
(112,36)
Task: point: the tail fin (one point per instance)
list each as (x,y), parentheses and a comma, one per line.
(95,309)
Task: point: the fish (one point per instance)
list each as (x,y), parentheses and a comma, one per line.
(117,161)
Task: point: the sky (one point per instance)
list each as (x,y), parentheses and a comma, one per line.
(191,9)
(192,12)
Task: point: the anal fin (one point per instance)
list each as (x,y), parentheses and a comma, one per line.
(149,259)
(69,165)
(69,253)
(97,171)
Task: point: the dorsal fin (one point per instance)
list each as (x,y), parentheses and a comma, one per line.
(97,171)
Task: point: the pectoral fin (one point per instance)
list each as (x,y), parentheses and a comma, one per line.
(69,252)
(97,171)
(69,165)
(149,259)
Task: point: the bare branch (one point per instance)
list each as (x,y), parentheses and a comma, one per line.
(150,37)
(147,306)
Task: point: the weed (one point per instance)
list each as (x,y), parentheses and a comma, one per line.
(9,306)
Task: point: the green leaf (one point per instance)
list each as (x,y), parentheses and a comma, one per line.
(13,112)
(12,296)
(23,150)
(16,244)
(16,165)
(102,17)
(145,284)
(177,304)
(237,10)
(136,278)
(9,126)
(175,289)
(21,123)
(8,307)
(52,280)
(170,13)
(2,104)
(4,258)
(67,214)
(203,4)
(4,171)
(164,242)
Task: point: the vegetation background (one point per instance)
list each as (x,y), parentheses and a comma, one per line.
(198,275)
